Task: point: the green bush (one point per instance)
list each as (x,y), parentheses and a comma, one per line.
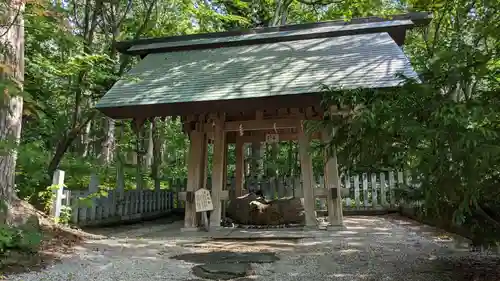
(16,239)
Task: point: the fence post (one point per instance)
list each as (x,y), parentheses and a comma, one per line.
(93,188)
(120,193)
(58,180)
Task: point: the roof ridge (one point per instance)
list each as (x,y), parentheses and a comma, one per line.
(301,31)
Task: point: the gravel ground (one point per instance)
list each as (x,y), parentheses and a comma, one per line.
(369,248)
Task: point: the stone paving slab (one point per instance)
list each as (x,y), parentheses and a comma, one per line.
(222,271)
(227,257)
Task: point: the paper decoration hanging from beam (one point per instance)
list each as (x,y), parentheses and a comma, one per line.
(272,138)
(203,200)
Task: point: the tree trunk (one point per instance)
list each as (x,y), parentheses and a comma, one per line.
(157,149)
(120,173)
(150,145)
(65,142)
(108,142)
(85,140)
(11,106)
(139,147)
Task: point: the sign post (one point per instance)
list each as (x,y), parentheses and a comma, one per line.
(203,204)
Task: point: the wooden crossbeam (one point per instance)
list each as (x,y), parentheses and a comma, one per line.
(261,137)
(257,125)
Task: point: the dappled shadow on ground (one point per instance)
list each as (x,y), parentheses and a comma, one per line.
(236,245)
(479,268)
(57,243)
(368,248)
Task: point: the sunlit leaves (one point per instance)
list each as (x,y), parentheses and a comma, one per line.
(444,131)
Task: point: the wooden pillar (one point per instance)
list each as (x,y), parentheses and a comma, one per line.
(240,163)
(332,180)
(203,173)
(204,159)
(224,186)
(307,177)
(218,170)
(195,171)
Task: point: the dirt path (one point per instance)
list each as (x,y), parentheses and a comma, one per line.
(369,248)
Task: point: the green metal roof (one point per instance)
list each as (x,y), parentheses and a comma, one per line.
(264,70)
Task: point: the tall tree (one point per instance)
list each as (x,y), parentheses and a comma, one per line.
(11,86)
(445,130)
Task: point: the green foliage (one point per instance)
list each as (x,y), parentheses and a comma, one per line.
(17,239)
(64,216)
(444,131)
(48,196)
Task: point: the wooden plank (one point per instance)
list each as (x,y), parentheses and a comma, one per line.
(401,180)
(373,181)
(356,191)
(383,190)
(140,200)
(255,125)
(289,186)
(281,187)
(347,184)
(259,136)
(307,178)
(272,188)
(266,124)
(75,208)
(365,190)
(392,184)
(106,204)
(322,184)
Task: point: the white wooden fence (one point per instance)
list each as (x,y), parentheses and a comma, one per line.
(97,207)
(367,191)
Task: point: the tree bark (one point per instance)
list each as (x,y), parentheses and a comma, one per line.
(150,144)
(108,143)
(85,140)
(157,151)
(66,141)
(11,73)
(140,153)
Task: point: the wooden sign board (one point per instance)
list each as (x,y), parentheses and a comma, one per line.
(203,200)
(272,138)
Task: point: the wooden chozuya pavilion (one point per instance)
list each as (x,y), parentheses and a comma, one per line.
(243,86)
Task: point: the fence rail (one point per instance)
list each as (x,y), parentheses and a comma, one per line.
(366,191)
